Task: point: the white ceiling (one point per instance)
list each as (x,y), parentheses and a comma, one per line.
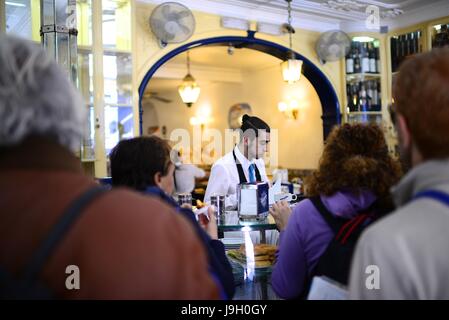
(210,64)
(241,59)
(162,85)
(322,15)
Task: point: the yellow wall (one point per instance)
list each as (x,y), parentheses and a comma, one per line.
(218,97)
(301,145)
(300,141)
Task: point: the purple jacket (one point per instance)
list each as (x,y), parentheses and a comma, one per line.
(307,236)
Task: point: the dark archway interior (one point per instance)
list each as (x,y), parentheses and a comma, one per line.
(328,98)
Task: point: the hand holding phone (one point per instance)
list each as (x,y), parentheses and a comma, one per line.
(207,220)
(202,215)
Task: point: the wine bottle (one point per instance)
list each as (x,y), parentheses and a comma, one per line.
(369,96)
(372,59)
(418,33)
(362,97)
(351,103)
(365,59)
(379,97)
(350,62)
(406,46)
(357,66)
(375,105)
(394,46)
(412,44)
(447,34)
(378,66)
(355,97)
(401,49)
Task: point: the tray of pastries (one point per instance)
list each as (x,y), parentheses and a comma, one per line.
(263,255)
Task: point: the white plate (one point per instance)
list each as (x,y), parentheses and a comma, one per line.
(233,241)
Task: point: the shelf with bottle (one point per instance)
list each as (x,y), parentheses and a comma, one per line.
(403,46)
(364,96)
(439,35)
(363,57)
(363,81)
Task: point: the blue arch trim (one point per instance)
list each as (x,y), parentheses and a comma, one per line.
(328,98)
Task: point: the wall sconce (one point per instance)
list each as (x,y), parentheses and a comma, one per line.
(202,117)
(290,109)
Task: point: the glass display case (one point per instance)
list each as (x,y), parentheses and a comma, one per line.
(251,257)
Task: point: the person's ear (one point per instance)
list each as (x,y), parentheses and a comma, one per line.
(158,179)
(403,130)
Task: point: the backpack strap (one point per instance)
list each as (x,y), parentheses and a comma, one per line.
(67,219)
(433,194)
(335,223)
(342,228)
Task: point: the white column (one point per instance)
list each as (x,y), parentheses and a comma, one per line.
(98,83)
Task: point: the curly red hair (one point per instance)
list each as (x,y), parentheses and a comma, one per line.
(355,157)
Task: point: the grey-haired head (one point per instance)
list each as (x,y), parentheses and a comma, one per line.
(36,97)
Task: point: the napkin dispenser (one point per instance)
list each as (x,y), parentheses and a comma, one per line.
(253,200)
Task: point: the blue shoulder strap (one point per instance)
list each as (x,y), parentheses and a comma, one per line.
(75,209)
(27,285)
(433,194)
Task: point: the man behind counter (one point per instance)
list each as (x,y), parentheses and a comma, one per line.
(243,164)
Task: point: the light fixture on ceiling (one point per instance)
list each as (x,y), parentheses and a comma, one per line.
(189,90)
(291,67)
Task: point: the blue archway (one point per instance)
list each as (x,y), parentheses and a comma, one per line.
(328,98)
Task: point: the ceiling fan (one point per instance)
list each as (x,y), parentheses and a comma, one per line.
(155,96)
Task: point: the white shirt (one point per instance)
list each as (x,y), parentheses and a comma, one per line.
(224,176)
(185,177)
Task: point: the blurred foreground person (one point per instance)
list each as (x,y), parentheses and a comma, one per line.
(404,256)
(106,246)
(144,164)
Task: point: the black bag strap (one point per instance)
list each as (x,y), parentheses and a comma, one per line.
(242,176)
(37,261)
(335,223)
(345,228)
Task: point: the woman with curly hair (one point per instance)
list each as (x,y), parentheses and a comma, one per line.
(355,174)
